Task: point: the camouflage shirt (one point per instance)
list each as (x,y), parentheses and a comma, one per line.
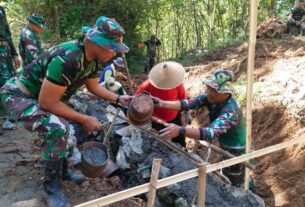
(152,47)
(297,13)
(227,122)
(5,33)
(29,46)
(62,65)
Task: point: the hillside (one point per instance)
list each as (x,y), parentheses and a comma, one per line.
(278,112)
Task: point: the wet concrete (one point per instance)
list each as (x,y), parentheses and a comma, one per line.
(95,156)
(217,194)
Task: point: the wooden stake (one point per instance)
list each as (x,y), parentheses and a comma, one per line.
(202,177)
(153,182)
(115,197)
(251,54)
(128,74)
(107,135)
(57,32)
(224,152)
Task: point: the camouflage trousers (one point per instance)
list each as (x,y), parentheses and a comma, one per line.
(6,64)
(54,130)
(149,63)
(235,173)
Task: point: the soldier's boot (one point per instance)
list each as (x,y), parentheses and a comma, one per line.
(52,184)
(70,175)
(8,125)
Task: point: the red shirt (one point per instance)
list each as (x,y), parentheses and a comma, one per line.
(174,94)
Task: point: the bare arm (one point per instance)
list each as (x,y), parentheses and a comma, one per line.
(98,90)
(173,105)
(49,100)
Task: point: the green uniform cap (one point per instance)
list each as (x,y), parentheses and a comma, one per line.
(38,20)
(220,80)
(108,34)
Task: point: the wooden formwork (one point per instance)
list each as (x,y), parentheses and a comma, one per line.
(115,197)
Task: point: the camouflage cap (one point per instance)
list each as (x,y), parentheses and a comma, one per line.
(38,20)
(119,62)
(220,80)
(108,34)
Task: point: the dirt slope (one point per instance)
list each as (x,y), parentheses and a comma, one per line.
(277,116)
(278,111)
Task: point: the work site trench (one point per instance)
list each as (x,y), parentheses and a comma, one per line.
(133,149)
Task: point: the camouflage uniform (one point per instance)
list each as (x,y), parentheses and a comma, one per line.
(297,15)
(61,65)
(29,46)
(7,50)
(151,53)
(228,125)
(226,121)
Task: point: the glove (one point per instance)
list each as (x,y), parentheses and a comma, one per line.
(188,118)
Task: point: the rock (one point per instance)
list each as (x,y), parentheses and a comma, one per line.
(30,203)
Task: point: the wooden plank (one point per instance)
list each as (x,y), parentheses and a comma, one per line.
(251,54)
(202,178)
(153,182)
(223,152)
(115,197)
(128,74)
(255,154)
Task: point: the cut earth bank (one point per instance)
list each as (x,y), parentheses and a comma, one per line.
(277,116)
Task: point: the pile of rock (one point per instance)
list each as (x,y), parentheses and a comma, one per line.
(133,151)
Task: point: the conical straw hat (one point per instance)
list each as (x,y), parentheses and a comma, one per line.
(166,75)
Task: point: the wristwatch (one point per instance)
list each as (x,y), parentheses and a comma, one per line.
(182,131)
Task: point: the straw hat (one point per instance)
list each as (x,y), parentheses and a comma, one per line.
(167,75)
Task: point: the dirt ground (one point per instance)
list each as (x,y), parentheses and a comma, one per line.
(277,115)
(278,112)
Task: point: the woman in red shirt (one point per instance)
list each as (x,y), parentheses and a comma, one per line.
(165,81)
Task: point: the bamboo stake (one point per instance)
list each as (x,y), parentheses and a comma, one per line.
(107,135)
(128,74)
(224,152)
(190,157)
(202,177)
(153,182)
(57,32)
(251,54)
(115,197)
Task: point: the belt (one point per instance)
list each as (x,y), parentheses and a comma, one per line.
(3,42)
(22,87)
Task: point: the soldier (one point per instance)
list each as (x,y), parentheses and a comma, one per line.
(38,97)
(226,119)
(29,42)
(151,44)
(8,54)
(296,17)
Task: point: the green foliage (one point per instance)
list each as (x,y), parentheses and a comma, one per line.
(181,25)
